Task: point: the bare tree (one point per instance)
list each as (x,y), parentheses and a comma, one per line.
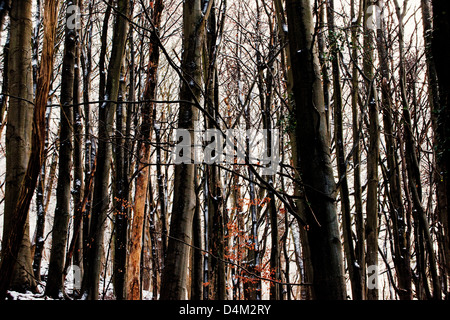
(18,147)
(55,281)
(174,279)
(90,287)
(314,162)
(15,237)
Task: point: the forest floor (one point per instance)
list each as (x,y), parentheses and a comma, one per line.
(106,291)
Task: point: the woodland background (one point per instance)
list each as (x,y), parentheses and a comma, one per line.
(358,208)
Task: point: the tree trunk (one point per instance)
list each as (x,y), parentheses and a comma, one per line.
(89,149)
(121,195)
(360,247)
(217,285)
(440,47)
(433,94)
(55,281)
(76,245)
(174,280)
(300,203)
(401,230)
(20,69)
(18,138)
(352,264)
(412,160)
(372,159)
(252,286)
(134,252)
(314,160)
(197,255)
(107,112)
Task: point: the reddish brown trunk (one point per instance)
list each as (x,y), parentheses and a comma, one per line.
(12,243)
(137,222)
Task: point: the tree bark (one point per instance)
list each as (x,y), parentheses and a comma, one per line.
(145,135)
(314,160)
(352,264)
(76,245)
(18,141)
(440,46)
(89,149)
(305,259)
(20,66)
(174,279)
(55,281)
(107,112)
(402,246)
(372,157)
(121,194)
(217,283)
(197,255)
(360,246)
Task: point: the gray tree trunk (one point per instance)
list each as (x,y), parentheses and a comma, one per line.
(372,158)
(174,279)
(314,160)
(352,264)
(55,281)
(18,132)
(107,113)
(18,215)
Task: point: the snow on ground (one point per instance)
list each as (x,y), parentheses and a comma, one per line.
(106,290)
(14,295)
